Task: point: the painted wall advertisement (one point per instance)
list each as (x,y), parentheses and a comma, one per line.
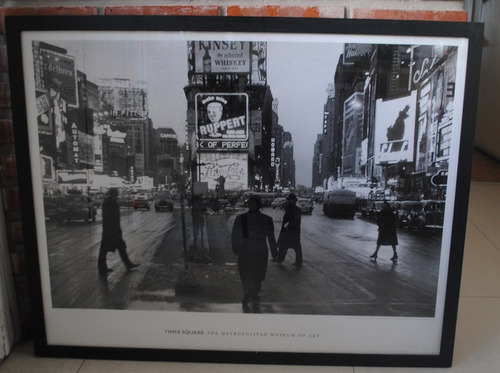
(395,130)
(221,121)
(222,57)
(233,168)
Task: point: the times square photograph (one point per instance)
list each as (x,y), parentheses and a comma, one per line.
(162,159)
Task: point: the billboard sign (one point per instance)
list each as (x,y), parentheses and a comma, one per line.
(59,74)
(221,121)
(395,130)
(44,116)
(222,57)
(354,52)
(233,169)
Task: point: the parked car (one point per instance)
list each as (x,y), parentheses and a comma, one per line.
(375,210)
(278,203)
(306,205)
(406,210)
(141,201)
(429,216)
(76,207)
(164,203)
(366,208)
(51,205)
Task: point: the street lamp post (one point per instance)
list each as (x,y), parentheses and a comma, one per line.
(187,283)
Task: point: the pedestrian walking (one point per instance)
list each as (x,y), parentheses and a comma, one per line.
(252,237)
(290,232)
(112,234)
(198,210)
(387,233)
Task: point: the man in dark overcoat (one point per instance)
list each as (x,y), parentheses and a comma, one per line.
(112,233)
(251,238)
(387,232)
(290,232)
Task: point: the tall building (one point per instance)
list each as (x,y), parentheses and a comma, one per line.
(124,116)
(317,169)
(229,114)
(168,156)
(288,161)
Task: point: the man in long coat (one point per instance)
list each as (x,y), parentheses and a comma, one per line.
(290,232)
(112,233)
(251,239)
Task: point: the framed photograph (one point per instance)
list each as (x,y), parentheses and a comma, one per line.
(250,190)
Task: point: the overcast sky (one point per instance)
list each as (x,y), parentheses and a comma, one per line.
(298,74)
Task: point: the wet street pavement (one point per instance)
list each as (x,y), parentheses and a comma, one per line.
(337,278)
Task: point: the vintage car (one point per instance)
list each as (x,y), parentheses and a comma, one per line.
(76,207)
(305,205)
(429,216)
(278,202)
(405,212)
(366,208)
(340,203)
(51,205)
(125,200)
(164,203)
(141,201)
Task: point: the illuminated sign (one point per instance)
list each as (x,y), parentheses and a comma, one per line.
(395,130)
(221,121)
(74,143)
(72,177)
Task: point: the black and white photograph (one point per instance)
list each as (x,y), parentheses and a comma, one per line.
(244,191)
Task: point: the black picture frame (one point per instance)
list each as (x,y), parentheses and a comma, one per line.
(49,327)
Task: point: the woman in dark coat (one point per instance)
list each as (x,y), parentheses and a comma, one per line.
(112,233)
(251,238)
(387,234)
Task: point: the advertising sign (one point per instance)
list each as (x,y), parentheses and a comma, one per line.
(43,113)
(222,57)
(424,60)
(353,126)
(59,74)
(233,169)
(356,52)
(221,121)
(72,177)
(395,130)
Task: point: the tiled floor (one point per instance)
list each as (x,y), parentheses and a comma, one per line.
(477,347)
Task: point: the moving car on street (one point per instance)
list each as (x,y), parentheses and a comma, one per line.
(278,202)
(164,203)
(340,203)
(141,201)
(305,205)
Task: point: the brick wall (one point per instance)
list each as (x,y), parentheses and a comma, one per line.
(420,10)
